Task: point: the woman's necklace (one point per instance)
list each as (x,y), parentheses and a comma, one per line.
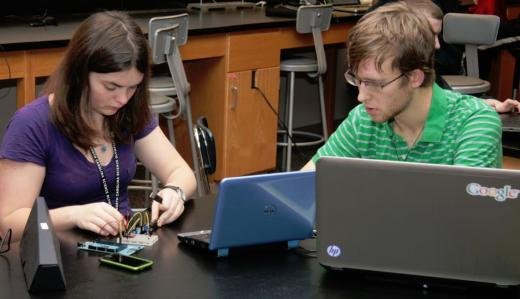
(102,174)
(103,148)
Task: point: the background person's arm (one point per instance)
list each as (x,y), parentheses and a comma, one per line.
(508,105)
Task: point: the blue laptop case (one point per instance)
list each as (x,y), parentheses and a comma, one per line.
(261,209)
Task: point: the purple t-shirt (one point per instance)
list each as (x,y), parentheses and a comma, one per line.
(70,179)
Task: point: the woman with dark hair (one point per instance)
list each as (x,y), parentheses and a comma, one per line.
(77,144)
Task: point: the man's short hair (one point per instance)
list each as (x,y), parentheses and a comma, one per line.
(393,31)
(427,7)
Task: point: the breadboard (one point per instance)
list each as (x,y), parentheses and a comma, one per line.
(142,239)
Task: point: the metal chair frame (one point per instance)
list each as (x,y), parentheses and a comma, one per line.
(310,19)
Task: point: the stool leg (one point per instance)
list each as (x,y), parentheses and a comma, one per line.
(171,132)
(193,147)
(155,184)
(322,106)
(290,121)
(285,118)
(148,179)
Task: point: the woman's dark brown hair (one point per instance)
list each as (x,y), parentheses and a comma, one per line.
(105,42)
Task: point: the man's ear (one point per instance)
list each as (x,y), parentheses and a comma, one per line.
(416,78)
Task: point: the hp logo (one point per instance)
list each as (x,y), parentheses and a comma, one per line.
(333,251)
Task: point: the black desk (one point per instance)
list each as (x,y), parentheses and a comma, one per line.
(182,272)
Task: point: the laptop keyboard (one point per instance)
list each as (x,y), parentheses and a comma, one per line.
(198,239)
(204,237)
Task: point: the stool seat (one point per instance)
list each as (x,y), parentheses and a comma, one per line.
(467,85)
(471,31)
(162,104)
(299,65)
(162,85)
(158,99)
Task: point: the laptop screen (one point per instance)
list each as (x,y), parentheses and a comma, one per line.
(419,219)
(264,208)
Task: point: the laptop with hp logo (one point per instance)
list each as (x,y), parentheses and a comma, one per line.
(422,220)
(259,209)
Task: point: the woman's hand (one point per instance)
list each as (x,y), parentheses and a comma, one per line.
(99,217)
(170,209)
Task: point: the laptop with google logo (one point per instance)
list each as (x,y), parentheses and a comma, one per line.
(423,220)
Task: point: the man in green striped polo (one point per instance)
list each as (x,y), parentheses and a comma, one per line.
(404,115)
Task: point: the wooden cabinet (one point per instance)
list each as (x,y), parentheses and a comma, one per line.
(251,122)
(25,66)
(243,123)
(238,114)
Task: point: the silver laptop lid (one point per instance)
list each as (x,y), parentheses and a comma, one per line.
(419,219)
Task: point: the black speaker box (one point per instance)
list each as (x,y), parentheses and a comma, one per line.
(40,251)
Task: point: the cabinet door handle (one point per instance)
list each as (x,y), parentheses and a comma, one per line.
(234,97)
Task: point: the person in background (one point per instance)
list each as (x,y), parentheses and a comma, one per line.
(77,144)
(447,57)
(404,115)
(434,15)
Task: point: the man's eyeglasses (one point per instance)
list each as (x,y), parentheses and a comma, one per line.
(370,85)
(5,241)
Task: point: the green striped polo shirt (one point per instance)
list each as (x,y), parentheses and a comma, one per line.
(459,130)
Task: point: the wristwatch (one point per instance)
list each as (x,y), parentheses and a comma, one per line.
(178,190)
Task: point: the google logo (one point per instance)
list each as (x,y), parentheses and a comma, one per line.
(500,194)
